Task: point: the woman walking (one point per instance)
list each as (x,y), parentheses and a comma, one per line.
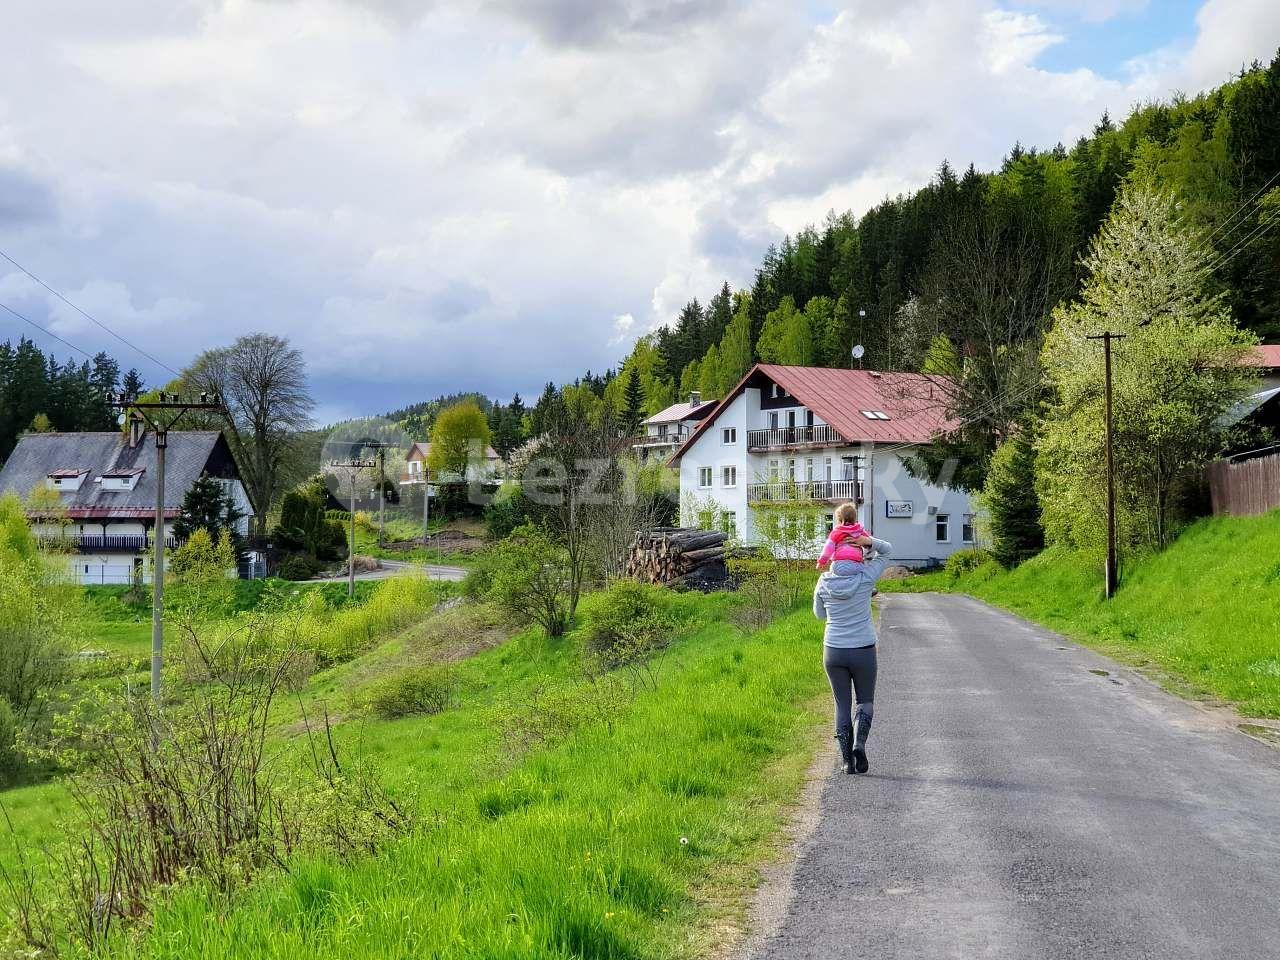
(842,598)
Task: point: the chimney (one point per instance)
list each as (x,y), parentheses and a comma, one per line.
(695,398)
(137,430)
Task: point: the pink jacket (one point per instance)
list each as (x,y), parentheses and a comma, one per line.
(837,546)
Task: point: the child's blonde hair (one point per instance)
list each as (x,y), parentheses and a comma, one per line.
(847,513)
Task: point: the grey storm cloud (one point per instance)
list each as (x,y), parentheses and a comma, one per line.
(24,199)
(591,22)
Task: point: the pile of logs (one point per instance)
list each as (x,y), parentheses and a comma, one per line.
(678,556)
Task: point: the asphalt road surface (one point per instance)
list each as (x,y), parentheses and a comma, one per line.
(1029,799)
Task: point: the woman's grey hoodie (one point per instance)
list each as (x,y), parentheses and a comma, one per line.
(842,598)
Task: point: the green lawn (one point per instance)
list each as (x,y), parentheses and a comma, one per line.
(563,848)
(1203,616)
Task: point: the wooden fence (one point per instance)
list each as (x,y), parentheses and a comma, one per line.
(1245,487)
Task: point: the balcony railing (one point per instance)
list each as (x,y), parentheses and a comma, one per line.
(104,543)
(784,491)
(819,433)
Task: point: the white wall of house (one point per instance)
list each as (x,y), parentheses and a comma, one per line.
(929,522)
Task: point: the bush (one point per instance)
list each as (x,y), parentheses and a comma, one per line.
(298,566)
(341,635)
(966,561)
(627,622)
(528,576)
(508,511)
(418,690)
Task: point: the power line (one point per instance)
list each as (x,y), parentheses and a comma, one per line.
(45,331)
(84,313)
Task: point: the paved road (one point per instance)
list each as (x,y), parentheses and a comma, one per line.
(1022,806)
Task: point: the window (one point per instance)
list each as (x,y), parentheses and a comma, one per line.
(729,523)
(808,418)
(704,477)
(942,528)
(728,476)
(791,419)
(966,531)
(808,468)
(773,421)
(774,468)
(830,522)
(874,414)
(847,468)
(729,435)
(826,467)
(791,469)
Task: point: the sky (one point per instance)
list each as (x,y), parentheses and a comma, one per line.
(428,196)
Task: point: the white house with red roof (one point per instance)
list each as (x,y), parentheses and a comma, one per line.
(669,428)
(831,436)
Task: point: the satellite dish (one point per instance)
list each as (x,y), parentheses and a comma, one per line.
(120,419)
(858,351)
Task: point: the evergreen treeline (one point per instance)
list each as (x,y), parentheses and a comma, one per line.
(38,393)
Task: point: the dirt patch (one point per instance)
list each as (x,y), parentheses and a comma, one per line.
(451,540)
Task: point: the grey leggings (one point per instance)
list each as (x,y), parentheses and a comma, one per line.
(852,670)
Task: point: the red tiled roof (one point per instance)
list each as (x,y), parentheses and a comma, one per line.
(914,402)
(1267,355)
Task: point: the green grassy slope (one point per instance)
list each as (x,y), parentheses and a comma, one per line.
(573,850)
(567,847)
(1205,613)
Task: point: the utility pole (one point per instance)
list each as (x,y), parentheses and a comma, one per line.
(426,504)
(146,411)
(382,495)
(352,466)
(1112,577)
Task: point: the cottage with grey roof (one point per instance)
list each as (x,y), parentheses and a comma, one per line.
(107,488)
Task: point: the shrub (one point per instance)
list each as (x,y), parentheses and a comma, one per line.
(339,636)
(966,561)
(766,588)
(527,575)
(418,690)
(627,622)
(297,566)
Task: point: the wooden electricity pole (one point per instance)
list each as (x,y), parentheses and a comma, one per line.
(1112,577)
(146,410)
(352,466)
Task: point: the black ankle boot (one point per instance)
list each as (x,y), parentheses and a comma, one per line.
(845,739)
(859,751)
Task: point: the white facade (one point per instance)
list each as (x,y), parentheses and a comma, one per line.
(742,475)
(119,551)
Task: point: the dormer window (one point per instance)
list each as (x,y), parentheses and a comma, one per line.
(120,479)
(69,479)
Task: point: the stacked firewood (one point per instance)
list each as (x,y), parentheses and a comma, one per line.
(677,555)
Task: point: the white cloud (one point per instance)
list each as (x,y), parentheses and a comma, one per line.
(489,193)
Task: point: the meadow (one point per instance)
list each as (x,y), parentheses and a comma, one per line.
(562,812)
(1203,616)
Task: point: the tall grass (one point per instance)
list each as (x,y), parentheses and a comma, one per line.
(1206,611)
(590,846)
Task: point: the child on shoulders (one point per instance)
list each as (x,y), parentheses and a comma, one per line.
(839,545)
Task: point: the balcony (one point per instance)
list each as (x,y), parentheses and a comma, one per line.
(789,491)
(102,543)
(818,435)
